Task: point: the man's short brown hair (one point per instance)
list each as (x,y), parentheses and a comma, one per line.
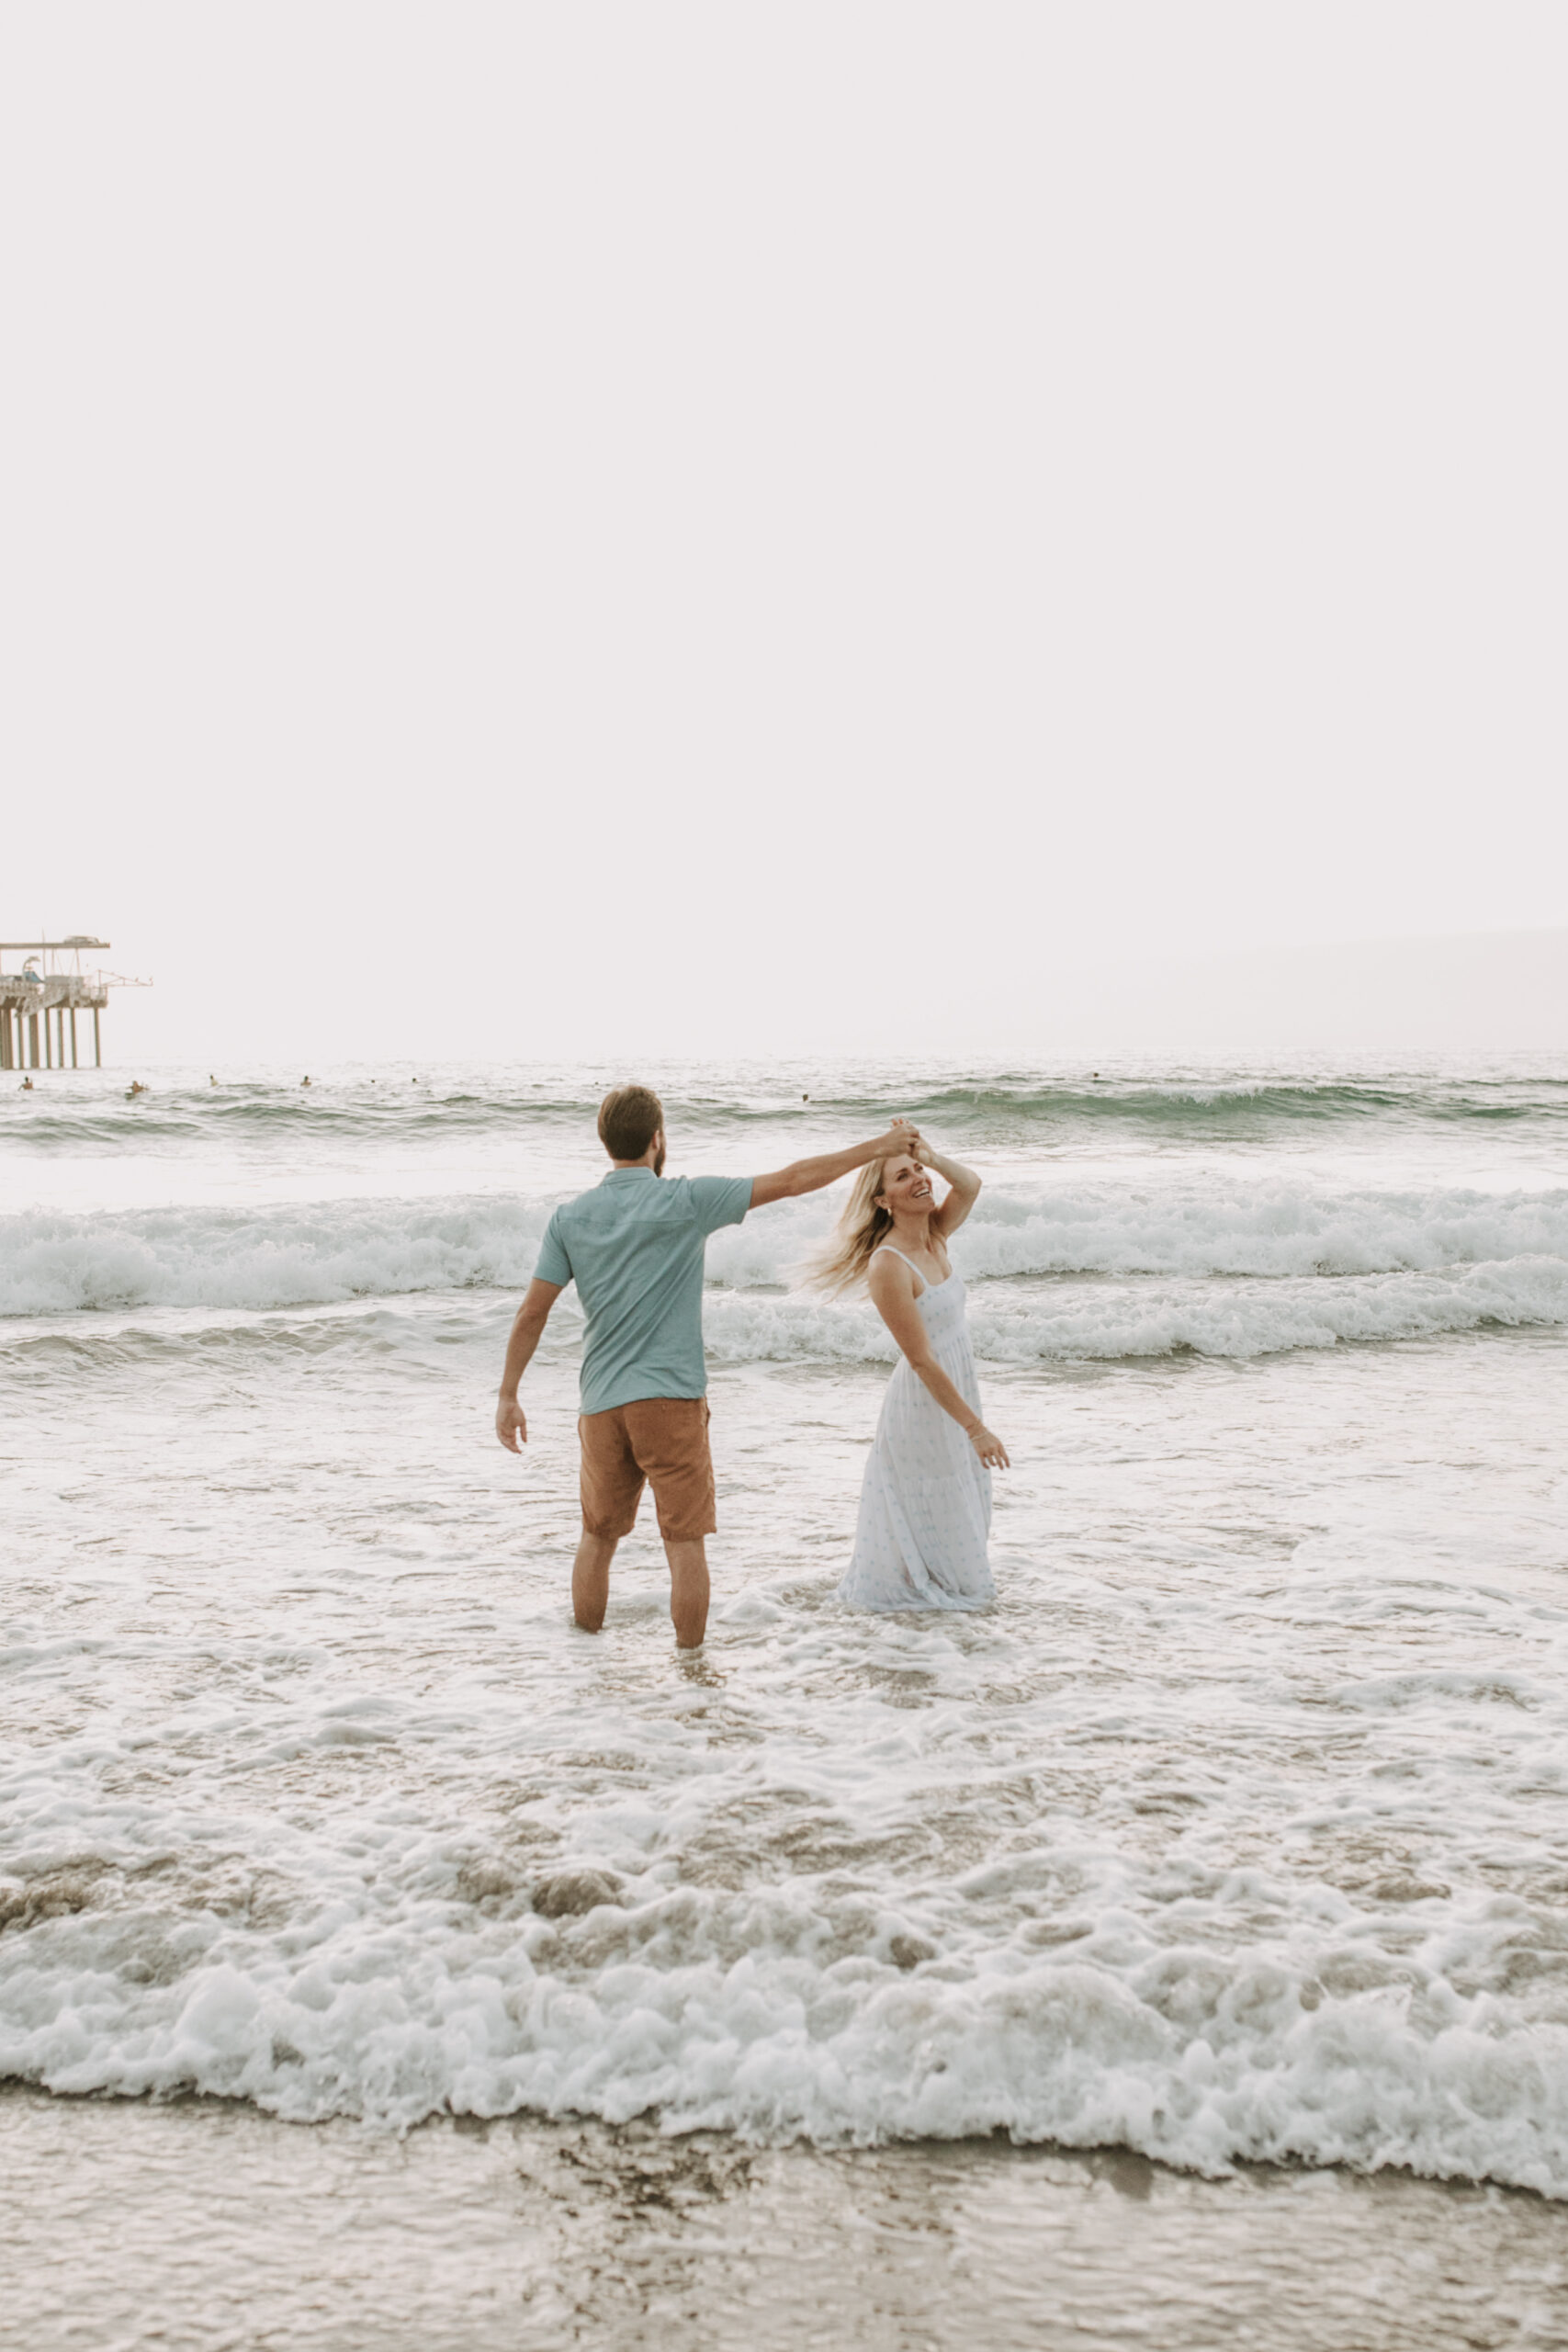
(629,1118)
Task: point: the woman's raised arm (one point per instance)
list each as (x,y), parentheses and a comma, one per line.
(961,1199)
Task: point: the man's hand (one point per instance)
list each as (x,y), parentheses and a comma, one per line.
(810,1175)
(527,1325)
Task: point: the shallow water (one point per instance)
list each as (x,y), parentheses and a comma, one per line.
(195,2227)
(1235,1832)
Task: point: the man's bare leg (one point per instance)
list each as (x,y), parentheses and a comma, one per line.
(590,1580)
(688,1589)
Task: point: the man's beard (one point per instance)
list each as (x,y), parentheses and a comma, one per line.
(659,1162)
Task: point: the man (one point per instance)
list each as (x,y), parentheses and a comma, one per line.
(634,1247)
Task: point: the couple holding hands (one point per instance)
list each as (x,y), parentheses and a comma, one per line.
(634,1245)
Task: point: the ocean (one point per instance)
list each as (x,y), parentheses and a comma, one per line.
(1235,1834)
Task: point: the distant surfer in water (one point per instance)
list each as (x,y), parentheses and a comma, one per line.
(925,1508)
(634,1246)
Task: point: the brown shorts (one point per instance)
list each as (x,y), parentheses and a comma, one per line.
(662,1438)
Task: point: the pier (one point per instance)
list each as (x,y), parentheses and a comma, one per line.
(40,1002)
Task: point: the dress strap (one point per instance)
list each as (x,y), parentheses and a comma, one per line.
(909,1261)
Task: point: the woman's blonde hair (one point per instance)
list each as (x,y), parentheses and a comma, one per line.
(859,1232)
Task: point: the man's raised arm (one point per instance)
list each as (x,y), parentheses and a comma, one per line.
(810,1175)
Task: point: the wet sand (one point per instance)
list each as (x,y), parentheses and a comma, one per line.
(203,2227)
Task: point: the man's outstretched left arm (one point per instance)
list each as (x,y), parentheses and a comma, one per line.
(527,1329)
(810,1175)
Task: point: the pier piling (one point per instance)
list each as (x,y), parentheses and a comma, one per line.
(51,986)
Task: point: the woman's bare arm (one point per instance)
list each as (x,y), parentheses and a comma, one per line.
(965,1190)
(892,1285)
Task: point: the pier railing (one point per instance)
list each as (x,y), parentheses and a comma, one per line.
(39,1006)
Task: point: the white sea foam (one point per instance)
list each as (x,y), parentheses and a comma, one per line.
(1152,1318)
(1266,1229)
(795,1949)
(1257,1268)
(292,1257)
(784,2013)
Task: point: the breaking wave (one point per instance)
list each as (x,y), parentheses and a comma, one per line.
(1107,1323)
(1236,1271)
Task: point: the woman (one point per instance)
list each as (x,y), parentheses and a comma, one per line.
(925,1507)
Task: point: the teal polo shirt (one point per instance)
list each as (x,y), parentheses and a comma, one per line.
(634,1247)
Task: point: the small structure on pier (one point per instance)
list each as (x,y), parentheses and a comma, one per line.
(41,1000)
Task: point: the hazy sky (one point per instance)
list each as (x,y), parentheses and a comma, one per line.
(547,528)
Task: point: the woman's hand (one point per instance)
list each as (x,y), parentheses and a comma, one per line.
(901,1136)
(991,1449)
